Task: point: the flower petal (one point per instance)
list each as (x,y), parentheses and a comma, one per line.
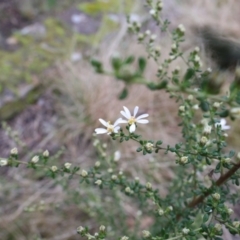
(226,127)
(100,130)
(132,128)
(122,121)
(143,121)
(142,116)
(116,129)
(119,120)
(127,112)
(135,111)
(223,121)
(103,122)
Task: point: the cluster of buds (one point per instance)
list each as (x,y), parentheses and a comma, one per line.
(195,59)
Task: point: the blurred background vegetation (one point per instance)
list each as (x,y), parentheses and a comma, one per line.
(50,98)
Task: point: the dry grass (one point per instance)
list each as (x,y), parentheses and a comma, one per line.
(85,97)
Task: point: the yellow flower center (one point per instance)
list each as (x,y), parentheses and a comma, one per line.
(110,127)
(131,120)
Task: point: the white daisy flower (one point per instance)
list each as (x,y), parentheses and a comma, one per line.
(223,124)
(132,119)
(109,127)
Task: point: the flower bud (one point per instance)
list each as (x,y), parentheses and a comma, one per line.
(54,168)
(114,177)
(148,185)
(98,182)
(181,28)
(216,196)
(46,153)
(146,234)
(14,151)
(80,229)
(102,228)
(67,165)
(236,224)
(160,211)
(185,231)
(84,173)
(184,159)
(35,159)
(218,227)
(149,146)
(3,162)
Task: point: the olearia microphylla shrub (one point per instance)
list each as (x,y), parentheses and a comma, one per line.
(193,207)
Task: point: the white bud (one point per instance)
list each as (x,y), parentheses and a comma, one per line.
(148,32)
(124,238)
(190,97)
(67,165)
(98,182)
(46,153)
(230,211)
(181,28)
(174,46)
(102,228)
(3,162)
(226,160)
(97,164)
(140,37)
(216,196)
(152,38)
(235,112)
(160,212)
(196,49)
(209,70)
(152,12)
(236,224)
(218,227)
(114,177)
(128,190)
(203,140)
(84,173)
(217,104)
(35,159)
(146,233)
(80,229)
(195,107)
(149,146)
(96,142)
(207,129)
(185,231)
(182,108)
(54,168)
(184,159)
(149,185)
(104,145)
(14,151)
(170,208)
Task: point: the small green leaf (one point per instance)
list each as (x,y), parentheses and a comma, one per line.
(129,60)
(204,105)
(116,63)
(224,113)
(189,74)
(123,94)
(154,86)
(142,64)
